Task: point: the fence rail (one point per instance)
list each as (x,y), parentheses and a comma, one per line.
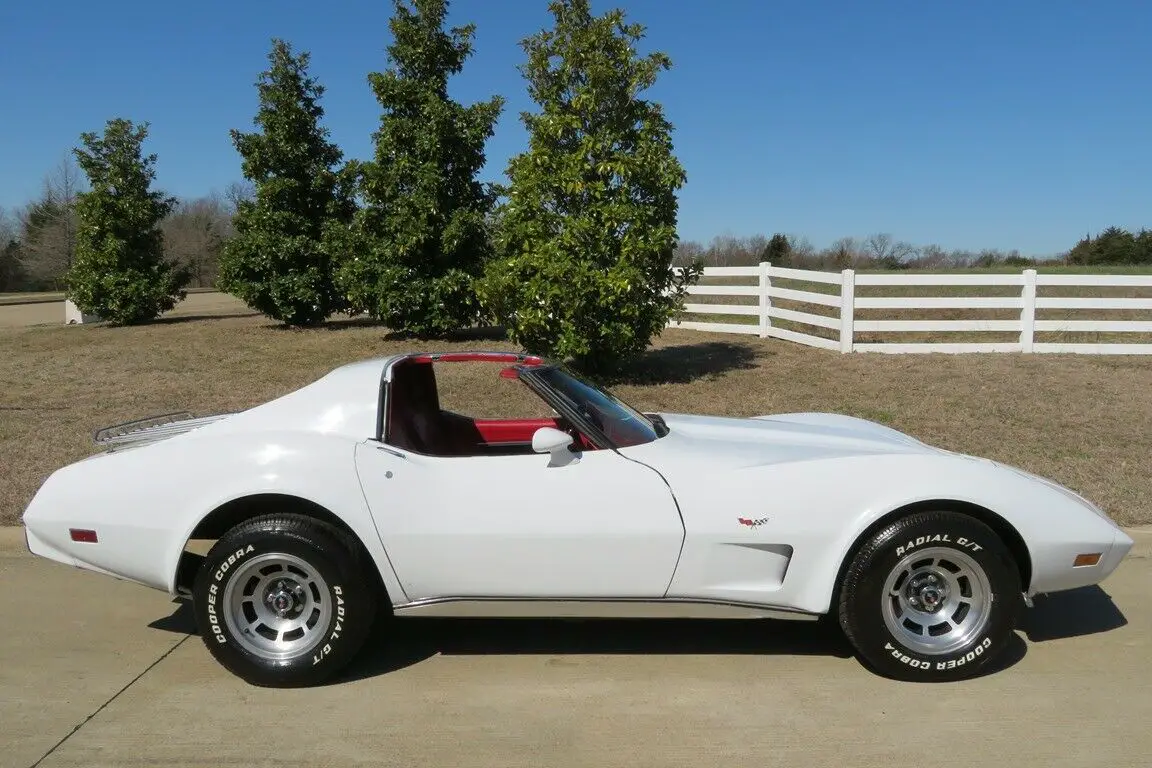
(841,328)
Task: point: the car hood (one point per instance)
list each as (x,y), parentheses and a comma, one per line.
(781,438)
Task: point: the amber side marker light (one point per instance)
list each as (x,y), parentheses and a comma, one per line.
(1082,561)
(89,537)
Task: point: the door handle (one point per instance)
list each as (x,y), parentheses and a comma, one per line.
(391,451)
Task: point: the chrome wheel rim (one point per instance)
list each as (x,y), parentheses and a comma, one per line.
(936,600)
(277,606)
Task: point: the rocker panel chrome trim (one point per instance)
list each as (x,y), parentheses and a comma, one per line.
(595,608)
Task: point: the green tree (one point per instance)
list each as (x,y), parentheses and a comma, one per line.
(589,227)
(1112,246)
(12,277)
(1144,247)
(278,262)
(12,274)
(119,271)
(420,238)
(778,252)
(1115,246)
(1082,252)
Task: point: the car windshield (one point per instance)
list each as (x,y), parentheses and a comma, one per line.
(620,422)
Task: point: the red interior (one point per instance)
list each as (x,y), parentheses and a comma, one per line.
(463,436)
(510,430)
(417,422)
(491,431)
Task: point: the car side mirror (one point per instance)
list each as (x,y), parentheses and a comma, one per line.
(556,443)
(550,440)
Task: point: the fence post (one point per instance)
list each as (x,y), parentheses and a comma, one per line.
(1028,312)
(847,309)
(765,299)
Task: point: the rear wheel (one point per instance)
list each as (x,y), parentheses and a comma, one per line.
(283,600)
(933,596)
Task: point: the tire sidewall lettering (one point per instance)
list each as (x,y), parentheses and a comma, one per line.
(962,543)
(972,654)
(226,565)
(336,627)
(213,616)
(214,592)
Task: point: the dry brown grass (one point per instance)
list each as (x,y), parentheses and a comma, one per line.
(1083,421)
(30,297)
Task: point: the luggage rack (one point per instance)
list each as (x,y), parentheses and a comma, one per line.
(151,428)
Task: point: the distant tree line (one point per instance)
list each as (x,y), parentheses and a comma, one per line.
(1113,246)
(38,240)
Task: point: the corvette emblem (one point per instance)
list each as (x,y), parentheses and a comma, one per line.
(752,523)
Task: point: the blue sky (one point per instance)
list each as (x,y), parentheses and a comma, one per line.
(969,124)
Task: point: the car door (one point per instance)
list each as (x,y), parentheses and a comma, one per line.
(600,525)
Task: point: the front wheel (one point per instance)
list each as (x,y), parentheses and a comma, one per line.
(282,600)
(933,596)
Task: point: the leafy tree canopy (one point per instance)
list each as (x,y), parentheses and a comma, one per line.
(588,232)
(1113,246)
(119,271)
(778,251)
(278,261)
(421,238)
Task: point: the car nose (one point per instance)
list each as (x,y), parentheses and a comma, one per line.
(1122,544)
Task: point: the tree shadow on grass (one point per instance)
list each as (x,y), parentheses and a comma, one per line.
(343,323)
(481,333)
(685,363)
(194,318)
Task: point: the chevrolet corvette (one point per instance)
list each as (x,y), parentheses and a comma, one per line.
(360,497)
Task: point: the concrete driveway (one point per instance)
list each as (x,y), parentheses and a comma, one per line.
(98,672)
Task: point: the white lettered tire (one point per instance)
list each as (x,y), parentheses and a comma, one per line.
(931,597)
(283,600)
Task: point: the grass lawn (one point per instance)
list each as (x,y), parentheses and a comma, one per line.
(35,297)
(30,297)
(1084,421)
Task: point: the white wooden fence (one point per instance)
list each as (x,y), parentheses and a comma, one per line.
(844,325)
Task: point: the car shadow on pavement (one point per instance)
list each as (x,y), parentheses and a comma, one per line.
(402,643)
(181,621)
(397,644)
(1083,611)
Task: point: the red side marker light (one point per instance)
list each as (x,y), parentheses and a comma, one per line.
(84,535)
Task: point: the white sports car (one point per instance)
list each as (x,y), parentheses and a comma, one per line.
(359,495)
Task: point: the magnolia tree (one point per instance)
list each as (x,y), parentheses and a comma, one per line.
(588,231)
(119,272)
(420,237)
(278,261)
